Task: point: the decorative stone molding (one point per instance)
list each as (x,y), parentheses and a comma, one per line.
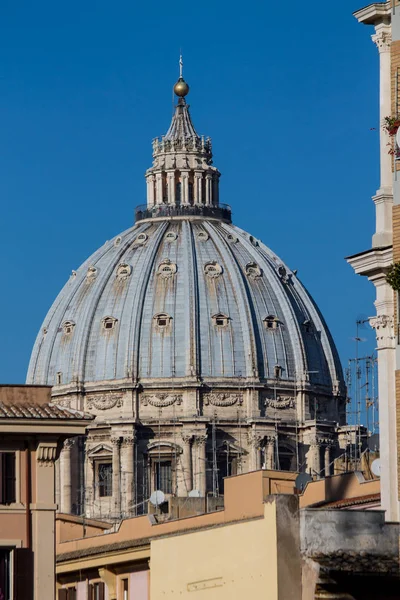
(280,402)
(212,269)
(383,39)
(161,400)
(69,443)
(200,439)
(91,273)
(123,271)
(384,329)
(270,440)
(254,438)
(64,402)
(253,270)
(222,399)
(187,437)
(128,440)
(166,269)
(46,454)
(104,402)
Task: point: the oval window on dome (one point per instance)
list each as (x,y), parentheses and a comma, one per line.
(117,241)
(167,269)
(212,269)
(253,271)
(123,271)
(171,236)
(141,238)
(202,236)
(232,238)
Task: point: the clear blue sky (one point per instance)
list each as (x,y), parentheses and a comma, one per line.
(288,93)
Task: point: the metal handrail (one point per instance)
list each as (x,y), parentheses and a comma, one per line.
(222,211)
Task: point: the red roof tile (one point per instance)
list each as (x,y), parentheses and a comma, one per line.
(32,410)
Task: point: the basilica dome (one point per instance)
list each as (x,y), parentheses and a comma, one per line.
(184,296)
(197,349)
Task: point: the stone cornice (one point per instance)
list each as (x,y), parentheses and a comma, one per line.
(372,262)
(374,13)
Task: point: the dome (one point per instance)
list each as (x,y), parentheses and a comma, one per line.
(199,352)
(189,297)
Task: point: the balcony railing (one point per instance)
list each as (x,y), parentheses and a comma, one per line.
(222,211)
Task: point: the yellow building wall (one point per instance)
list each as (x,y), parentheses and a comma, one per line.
(224,563)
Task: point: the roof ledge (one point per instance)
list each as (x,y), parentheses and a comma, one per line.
(374,13)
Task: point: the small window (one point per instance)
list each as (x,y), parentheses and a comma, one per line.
(96,591)
(7,478)
(203,236)
(117,241)
(167,269)
(212,269)
(109,323)
(125,589)
(5,573)
(91,273)
(162,320)
(253,271)
(59,378)
(220,320)
(277,371)
(68,327)
(104,476)
(67,593)
(123,271)
(307,326)
(141,238)
(163,476)
(171,236)
(271,322)
(232,238)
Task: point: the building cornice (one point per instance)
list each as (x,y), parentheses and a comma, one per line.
(372,262)
(374,13)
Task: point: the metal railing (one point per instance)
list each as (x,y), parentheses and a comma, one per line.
(222,211)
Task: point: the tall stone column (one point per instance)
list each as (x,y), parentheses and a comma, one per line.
(198,196)
(171,187)
(200,463)
(185,187)
(208,189)
(215,194)
(254,441)
(385,335)
(327,460)
(270,443)
(116,474)
(384,196)
(314,458)
(65,477)
(150,191)
(159,188)
(127,474)
(187,463)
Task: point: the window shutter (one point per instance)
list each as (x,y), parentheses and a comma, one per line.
(23,574)
(101,591)
(62,594)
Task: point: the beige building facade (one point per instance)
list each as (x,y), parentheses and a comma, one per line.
(32,432)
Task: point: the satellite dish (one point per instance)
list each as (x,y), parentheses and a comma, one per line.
(376,467)
(157,498)
(194,494)
(301,481)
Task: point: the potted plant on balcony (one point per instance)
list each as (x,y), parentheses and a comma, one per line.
(391,125)
(393,276)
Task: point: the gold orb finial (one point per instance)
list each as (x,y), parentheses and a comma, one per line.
(181,88)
